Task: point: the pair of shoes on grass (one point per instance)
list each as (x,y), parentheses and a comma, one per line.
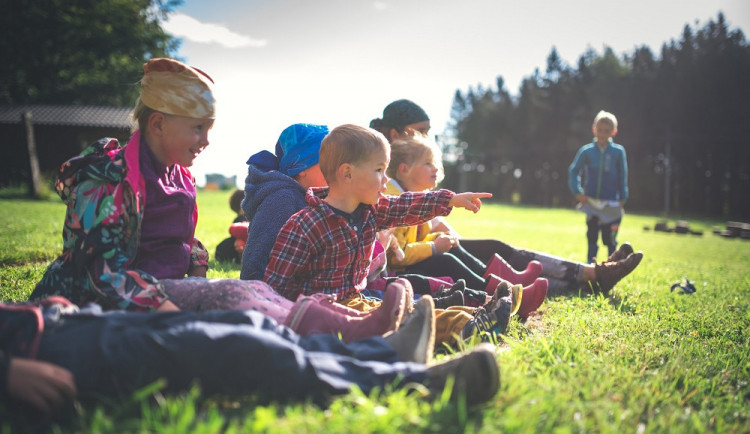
(474,375)
(459,295)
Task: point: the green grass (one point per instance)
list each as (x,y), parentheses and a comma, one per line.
(643,360)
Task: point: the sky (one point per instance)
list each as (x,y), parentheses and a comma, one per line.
(280,62)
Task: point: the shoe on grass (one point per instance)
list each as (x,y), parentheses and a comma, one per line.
(474,297)
(505,289)
(455,298)
(475,375)
(609,273)
(489,321)
(621,253)
(414,341)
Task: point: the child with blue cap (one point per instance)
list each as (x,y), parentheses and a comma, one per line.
(275,189)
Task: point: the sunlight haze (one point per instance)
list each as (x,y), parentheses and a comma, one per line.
(276,63)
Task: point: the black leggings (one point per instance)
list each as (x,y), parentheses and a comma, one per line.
(457,263)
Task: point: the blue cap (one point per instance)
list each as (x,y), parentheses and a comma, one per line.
(297,149)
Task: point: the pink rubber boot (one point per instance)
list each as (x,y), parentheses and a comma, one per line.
(330,302)
(492,281)
(311,315)
(533,297)
(438,283)
(501,268)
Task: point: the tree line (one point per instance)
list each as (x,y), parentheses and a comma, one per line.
(684,120)
(80,51)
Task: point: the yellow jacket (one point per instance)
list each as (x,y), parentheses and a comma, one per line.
(415,241)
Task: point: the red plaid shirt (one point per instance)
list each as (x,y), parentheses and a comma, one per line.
(318,251)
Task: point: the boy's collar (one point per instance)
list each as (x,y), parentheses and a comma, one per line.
(315,196)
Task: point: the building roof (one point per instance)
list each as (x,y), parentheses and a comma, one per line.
(68,115)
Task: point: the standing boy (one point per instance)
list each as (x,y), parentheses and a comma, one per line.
(605,189)
(326,247)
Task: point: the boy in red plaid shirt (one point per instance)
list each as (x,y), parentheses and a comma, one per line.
(326,247)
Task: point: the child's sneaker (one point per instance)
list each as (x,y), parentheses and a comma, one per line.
(493,321)
(474,298)
(460,285)
(456,298)
(505,289)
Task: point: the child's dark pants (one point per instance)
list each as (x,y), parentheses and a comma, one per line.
(609,236)
(225,352)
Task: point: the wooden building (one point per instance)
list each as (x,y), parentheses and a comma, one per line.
(59,131)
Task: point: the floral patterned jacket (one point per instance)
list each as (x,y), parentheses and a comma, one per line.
(105,192)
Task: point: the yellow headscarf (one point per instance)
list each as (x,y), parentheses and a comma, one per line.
(171,87)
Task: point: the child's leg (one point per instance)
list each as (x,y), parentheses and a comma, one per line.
(553,267)
(471,261)
(362,304)
(609,235)
(450,322)
(225,251)
(320,314)
(484,249)
(199,294)
(226,352)
(592,235)
(446,264)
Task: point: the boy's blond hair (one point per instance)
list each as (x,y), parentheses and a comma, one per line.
(348,144)
(607,117)
(411,150)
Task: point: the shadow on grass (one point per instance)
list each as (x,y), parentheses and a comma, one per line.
(622,304)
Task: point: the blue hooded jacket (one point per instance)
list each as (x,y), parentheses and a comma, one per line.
(605,172)
(270,199)
(272,195)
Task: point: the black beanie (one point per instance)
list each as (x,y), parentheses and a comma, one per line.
(403,112)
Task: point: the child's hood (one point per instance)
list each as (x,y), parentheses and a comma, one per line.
(102,160)
(260,185)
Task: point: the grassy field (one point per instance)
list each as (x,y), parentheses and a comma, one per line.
(643,360)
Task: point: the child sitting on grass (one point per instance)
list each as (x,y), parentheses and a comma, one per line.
(230,249)
(415,166)
(327,247)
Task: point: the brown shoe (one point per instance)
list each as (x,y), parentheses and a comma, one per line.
(621,253)
(476,375)
(609,273)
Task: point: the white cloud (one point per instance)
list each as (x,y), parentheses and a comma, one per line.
(380,6)
(184,26)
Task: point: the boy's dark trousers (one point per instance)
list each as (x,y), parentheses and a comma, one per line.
(609,236)
(225,352)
